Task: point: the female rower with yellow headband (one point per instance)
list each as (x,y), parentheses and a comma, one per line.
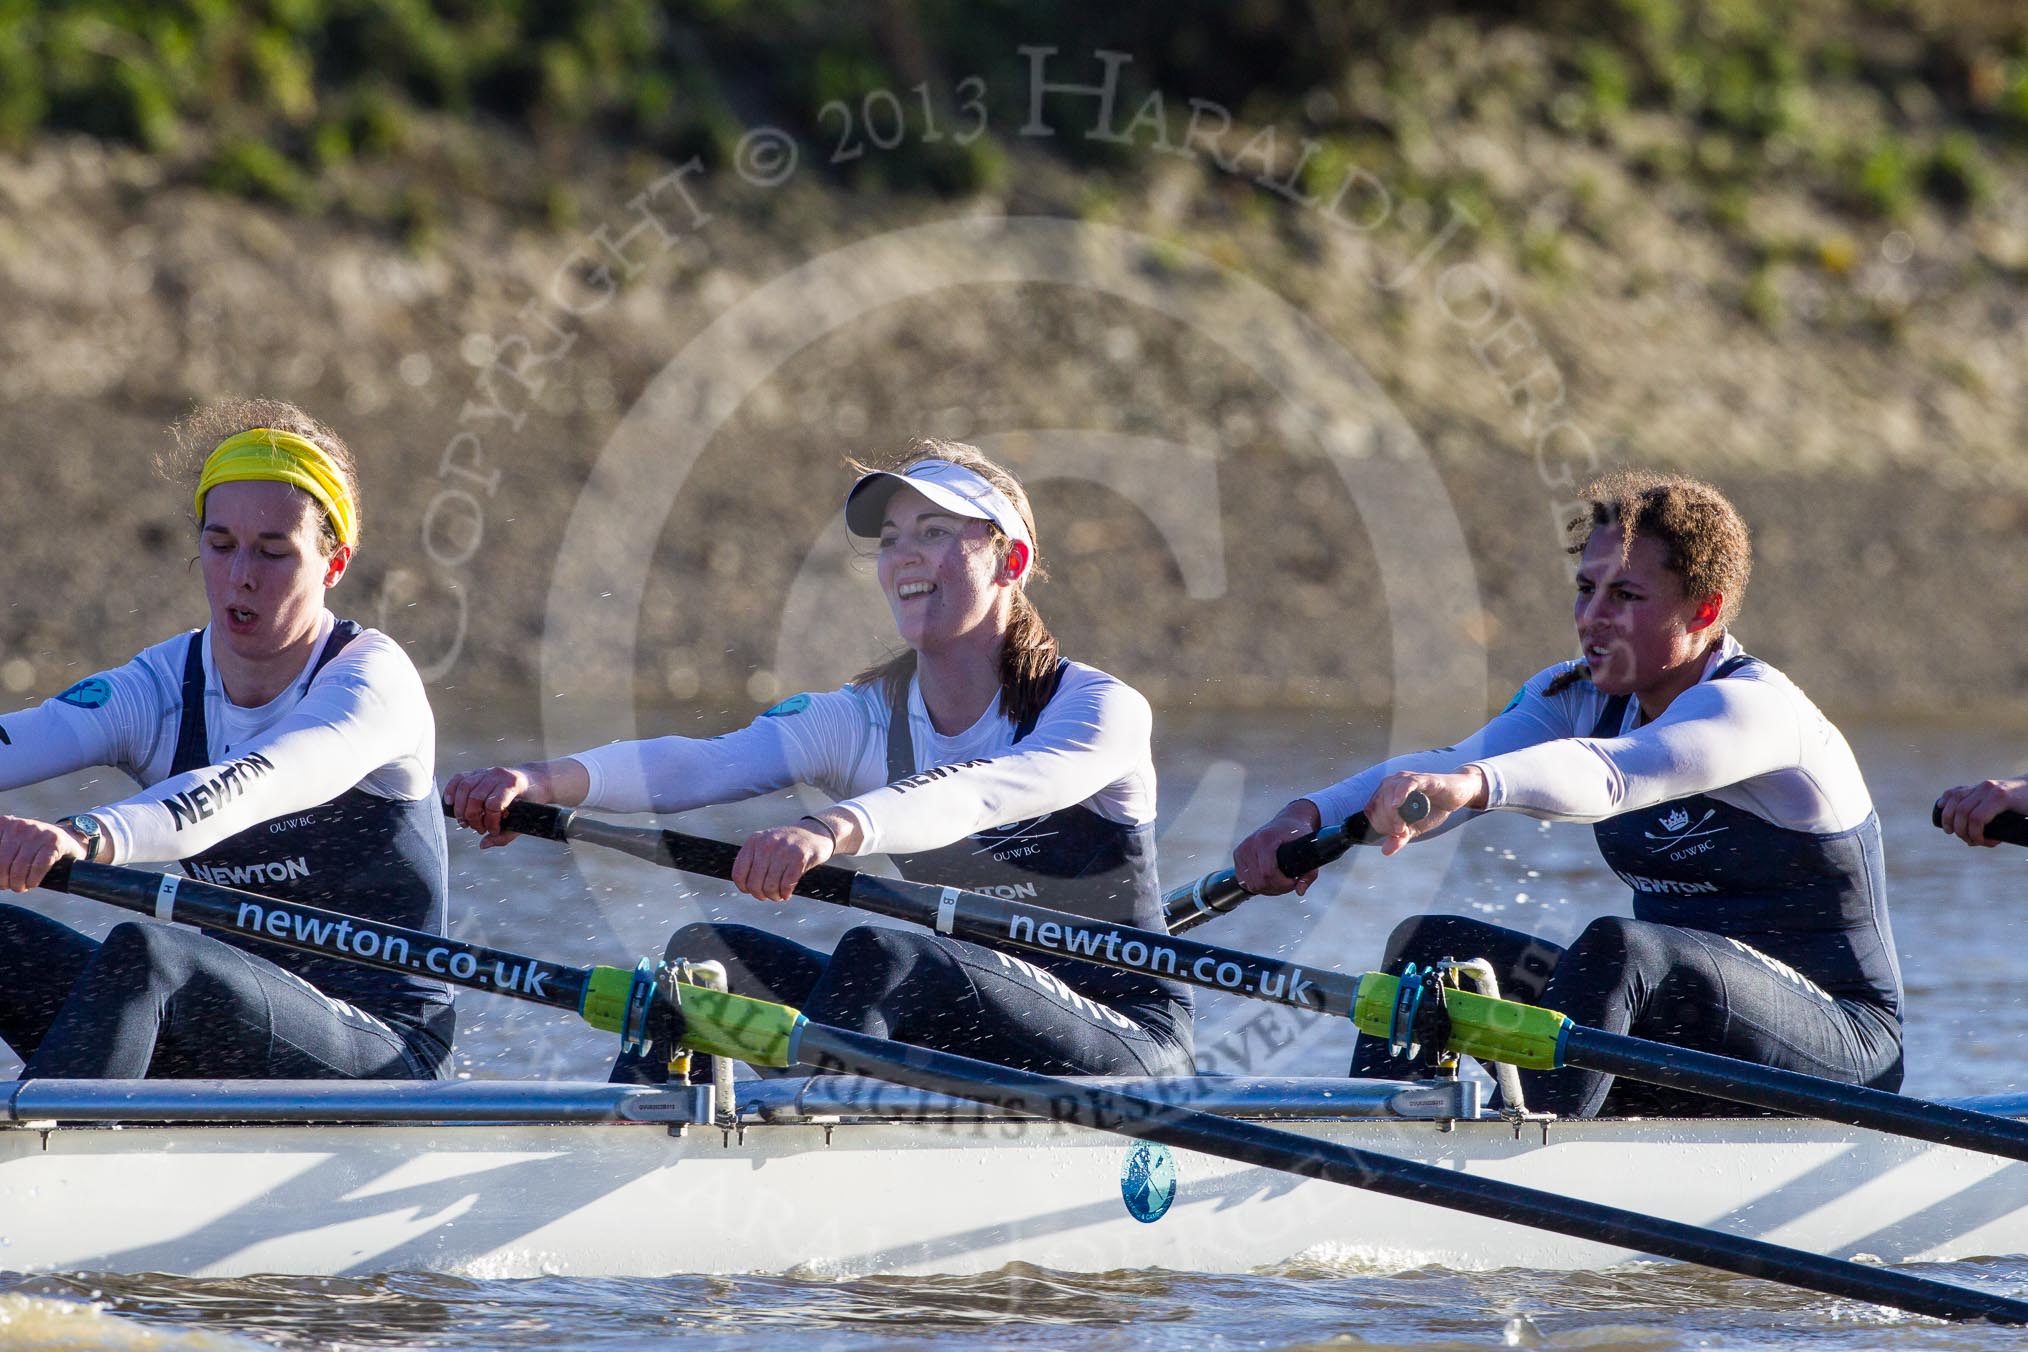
(278,749)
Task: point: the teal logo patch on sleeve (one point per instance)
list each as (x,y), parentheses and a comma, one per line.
(1517,698)
(90,693)
(1148,1182)
(794,704)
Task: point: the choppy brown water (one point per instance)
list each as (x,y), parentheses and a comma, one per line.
(1957,916)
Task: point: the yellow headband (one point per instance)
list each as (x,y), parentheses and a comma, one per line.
(282,457)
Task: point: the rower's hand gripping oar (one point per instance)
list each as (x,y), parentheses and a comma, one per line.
(2008,828)
(647,1003)
(1476,1025)
(1214,894)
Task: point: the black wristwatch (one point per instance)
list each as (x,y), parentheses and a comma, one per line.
(89,832)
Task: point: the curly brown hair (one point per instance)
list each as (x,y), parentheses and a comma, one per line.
(197,433)
(1028,653)
(1704,541)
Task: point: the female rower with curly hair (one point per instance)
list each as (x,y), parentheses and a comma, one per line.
(1718,793)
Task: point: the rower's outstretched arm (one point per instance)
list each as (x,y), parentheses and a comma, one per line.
(1088,738)
(111,718)
(1531,718)
(1730,737)
(363,723)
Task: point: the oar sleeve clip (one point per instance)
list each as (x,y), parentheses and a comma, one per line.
(1420,1017)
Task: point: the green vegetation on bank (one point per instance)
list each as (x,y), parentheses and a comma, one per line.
(1881,107)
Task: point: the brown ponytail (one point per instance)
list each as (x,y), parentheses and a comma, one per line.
(1027,662)
(1028,652)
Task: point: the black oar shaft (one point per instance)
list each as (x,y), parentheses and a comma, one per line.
(309,929)
(671,849)
(989,920)
(1789,1092)
(826,1048)
(977,917)
(1216,894)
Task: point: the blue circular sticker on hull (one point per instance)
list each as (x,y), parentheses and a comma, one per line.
(1148,1182)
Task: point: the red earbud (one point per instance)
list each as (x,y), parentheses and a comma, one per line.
(1017,560)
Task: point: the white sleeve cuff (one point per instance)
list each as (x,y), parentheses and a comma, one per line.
(869,839)
(119,841)
(1496,784)
(594,776)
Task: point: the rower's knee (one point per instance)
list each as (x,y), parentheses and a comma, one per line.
(1616,942)
(136,954)
(880,944)
(699,941)
(1424,939)
(713,941)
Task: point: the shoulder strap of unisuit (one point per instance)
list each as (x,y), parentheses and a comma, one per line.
(1613,718)
(900,741)
(342,634)
(192,746)
(1035,715)
(1615,714)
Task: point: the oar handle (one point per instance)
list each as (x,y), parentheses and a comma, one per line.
(670,849)
(2009,828)
(1217,893)
(534,819)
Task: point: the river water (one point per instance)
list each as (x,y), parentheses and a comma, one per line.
(1958,915)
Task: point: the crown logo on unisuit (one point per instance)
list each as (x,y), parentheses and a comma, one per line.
(1676,820)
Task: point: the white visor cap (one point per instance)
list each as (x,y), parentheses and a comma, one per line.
(954,488)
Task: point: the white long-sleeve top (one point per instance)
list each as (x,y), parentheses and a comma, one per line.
(1752,740)
(363,721)
(1090,746)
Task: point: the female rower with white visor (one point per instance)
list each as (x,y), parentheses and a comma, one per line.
(1719,794)
(279,749)
(976,758)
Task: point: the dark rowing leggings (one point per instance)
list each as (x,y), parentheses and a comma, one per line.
(1687,987)
(166,1002)
(932,992)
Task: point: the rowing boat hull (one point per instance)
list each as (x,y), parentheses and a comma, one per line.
(617,1198)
